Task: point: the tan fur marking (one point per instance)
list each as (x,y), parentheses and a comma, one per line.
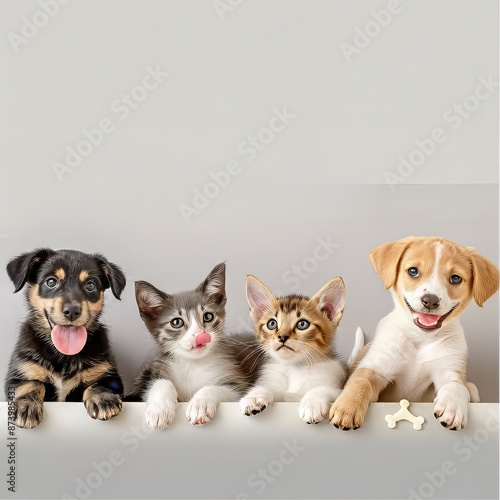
(96,307)
(33,372)
(83,275)
(60,273)
(363,387)
(32,387)
(90,375)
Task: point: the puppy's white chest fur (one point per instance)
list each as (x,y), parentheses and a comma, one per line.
(410,358)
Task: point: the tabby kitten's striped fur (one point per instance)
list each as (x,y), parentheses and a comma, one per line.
(295,332)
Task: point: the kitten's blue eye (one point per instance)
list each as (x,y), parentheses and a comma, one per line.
(455,279)
(177,323)
(413,272)
(207,317)
(303,324)
(272,324)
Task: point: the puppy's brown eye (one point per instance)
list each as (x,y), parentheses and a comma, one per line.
(90,286)
(455,279)
(207,317)
(413,272)
(272,324)
(303,324)
(51,282)
(177,323)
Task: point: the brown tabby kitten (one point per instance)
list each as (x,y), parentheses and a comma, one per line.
(295,333)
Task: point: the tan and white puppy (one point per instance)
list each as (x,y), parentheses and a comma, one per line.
(421,342)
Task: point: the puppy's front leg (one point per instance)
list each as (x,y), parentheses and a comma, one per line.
(103,399)
(451,404)
(28,402)
(349,410)
(201,409)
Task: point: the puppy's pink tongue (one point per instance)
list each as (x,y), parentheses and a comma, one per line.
(427,320)
(69,339)
(202,339)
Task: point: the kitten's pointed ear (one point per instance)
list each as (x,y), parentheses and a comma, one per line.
(215,282)
(259,297)
(331,298)
(149,299)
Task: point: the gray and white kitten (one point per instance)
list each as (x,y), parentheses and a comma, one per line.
(194,361)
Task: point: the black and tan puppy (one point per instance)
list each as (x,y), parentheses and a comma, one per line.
(63,352)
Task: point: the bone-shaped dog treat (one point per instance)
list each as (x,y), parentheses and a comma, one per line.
(404,414)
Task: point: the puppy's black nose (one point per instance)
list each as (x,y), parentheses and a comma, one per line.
(430,301)
(283,337)
(72,311)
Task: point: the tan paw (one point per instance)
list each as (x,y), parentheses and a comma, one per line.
(348,413)
(101,404)
(29,412)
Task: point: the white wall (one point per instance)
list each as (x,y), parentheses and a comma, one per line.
(322,176)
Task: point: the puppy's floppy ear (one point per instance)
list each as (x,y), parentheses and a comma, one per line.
(114,275)
(484,279)
(331,298)
(385,259)
(23,268)
(260,299)
(149,299)
(215,283)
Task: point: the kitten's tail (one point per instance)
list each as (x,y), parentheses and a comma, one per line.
(359,344)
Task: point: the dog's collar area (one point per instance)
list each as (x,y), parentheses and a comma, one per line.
(427,321)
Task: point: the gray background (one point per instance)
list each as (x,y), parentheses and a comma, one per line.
(321,177)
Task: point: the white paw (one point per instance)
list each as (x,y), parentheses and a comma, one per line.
(451,412)
(159,417)
(251,406)
(452,402)
(201,410)
(313,411)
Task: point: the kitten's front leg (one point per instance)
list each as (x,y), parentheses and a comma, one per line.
(201,409)
(257,400)
(315,404)
(161,401)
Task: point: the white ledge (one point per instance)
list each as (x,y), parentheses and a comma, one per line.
(271,455)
